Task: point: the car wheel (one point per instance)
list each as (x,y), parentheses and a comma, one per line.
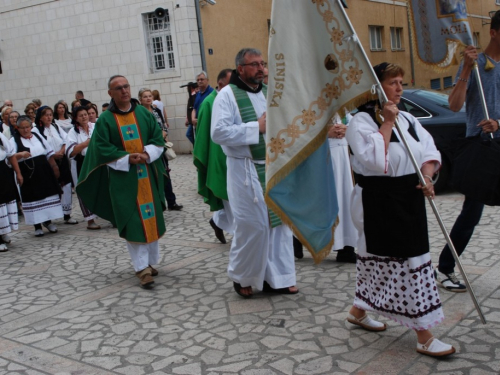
(444,177)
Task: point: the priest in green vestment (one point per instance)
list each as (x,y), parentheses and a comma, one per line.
(210,162)
(122,177)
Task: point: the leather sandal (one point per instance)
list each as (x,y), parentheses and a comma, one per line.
(268,289)
(146,280)
(154,271)
(435,348)
(367,323)
(237,289)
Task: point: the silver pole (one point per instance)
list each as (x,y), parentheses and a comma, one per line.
(421,178)
(481,93)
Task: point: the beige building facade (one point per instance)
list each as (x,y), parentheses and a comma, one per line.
(381,25)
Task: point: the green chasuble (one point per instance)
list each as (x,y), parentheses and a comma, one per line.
(134,201)
(209,159)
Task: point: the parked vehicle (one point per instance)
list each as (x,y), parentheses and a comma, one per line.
(432,110)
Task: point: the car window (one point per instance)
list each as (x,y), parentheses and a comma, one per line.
(414,109)
(437,98)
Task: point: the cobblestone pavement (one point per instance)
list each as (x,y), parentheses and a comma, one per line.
(70,304)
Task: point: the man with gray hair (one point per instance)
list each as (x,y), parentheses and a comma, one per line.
(121,177)
(204,90)
(261,254)
(8,103)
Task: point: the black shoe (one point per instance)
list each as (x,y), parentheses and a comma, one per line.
(175,207)
(219,233)
(346,255)
(297,248)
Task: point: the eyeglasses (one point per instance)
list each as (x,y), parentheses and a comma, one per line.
(256,64)
(120,88)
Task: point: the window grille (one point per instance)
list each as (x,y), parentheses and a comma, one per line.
(159,43)
(397,38)
(375,38)
(447,82)
(436,84)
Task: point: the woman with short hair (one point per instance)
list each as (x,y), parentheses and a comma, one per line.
(30,111)
(93,113)
(76,147)
(40,191)
(394,276)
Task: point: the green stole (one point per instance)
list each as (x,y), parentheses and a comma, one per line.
(258,151)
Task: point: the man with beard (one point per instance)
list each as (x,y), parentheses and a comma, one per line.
(261,253)
(121,178)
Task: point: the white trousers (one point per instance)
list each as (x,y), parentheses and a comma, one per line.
(345,233)
(66,199)
(224,218)
(143,255)
(258,252)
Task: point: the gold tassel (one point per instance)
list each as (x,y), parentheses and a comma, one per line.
(489,65)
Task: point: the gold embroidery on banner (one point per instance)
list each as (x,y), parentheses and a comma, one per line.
(347,72)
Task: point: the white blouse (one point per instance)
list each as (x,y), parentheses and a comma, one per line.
(36,147)
(55,138)
(6,150)
(65,124)
(368,147)
(75,138)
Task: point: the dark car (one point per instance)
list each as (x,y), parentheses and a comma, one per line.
(431,108)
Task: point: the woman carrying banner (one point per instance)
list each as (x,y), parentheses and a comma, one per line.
(394,270)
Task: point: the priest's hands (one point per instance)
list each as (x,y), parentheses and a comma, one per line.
(138,158)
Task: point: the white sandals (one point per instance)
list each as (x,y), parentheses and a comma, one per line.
(435,348)
(367,323)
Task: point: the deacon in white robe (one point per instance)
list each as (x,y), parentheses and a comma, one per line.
(258,252)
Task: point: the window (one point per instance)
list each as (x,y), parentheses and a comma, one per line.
(498,2)
(397,38)
(447,82)
(376,38)
(436,84)
(414,109)
(475,39)
(159,43)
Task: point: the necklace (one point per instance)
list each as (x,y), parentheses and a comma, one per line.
(32,168)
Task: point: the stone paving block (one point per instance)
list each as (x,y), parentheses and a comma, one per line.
(81,311)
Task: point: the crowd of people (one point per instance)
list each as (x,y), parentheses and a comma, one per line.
(46,152)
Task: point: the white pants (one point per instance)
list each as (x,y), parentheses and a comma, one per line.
(224,218)
(258,253)
(345,233)
(143,255)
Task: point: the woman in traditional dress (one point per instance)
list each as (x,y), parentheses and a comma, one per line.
(8,192)
(30,111)
(394,271)
(146,99)
(5,113)
(93,113)
(76,147)
(40,191)
(61,116)
(56,137)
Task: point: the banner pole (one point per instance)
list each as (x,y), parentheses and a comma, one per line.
(481,93)
(420,175)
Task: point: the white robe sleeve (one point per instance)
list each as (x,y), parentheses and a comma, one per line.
(367,143)
(123,165)
(7,146)
(225,129)
(50,151)
(154,152)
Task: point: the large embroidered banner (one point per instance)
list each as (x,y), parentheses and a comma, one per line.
(316,68)
(438,28)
